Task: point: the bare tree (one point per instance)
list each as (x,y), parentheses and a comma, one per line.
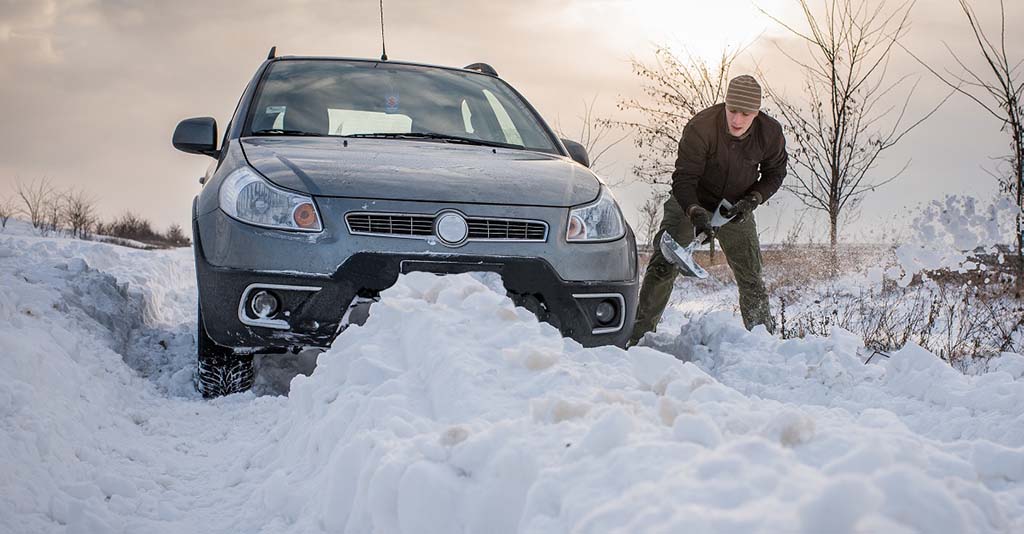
(53,216)
(846,122)
(998,92)
(676,89)
(597,135)
(37,199)
(79,213)
(7,210)
(650,214)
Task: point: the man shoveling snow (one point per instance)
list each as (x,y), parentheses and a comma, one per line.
(728,152)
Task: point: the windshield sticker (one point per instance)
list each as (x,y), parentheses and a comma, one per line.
(391,104)
(272,110)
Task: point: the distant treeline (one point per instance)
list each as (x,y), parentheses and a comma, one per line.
(72,212)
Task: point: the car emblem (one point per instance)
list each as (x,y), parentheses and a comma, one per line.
(451,228)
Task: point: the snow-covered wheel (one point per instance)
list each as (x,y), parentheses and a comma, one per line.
(219,371)
(224,375)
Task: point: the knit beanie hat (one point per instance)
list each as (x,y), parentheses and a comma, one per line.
(744,94)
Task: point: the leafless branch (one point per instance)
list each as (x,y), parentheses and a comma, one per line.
(676,87)
(843,124)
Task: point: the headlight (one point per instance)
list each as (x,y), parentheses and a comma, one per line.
(598,221)
(249,198)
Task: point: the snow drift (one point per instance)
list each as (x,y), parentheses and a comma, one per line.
(451,410)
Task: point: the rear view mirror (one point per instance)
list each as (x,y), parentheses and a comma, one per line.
(197,136)
(577,152)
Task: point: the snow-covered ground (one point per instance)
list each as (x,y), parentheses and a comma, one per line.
(453,411)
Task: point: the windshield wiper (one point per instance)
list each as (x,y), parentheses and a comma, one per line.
(437,136)
(279,131)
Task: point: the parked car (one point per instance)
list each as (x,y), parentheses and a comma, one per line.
(336,175)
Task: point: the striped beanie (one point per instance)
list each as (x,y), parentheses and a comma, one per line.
(744,94)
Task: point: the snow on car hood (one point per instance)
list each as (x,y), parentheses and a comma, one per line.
(396,169)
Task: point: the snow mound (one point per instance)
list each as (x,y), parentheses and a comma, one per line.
(443,424)
(451,410)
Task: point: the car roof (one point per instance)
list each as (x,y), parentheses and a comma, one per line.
(379,61)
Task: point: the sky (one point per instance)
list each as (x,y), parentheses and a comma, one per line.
(94,88)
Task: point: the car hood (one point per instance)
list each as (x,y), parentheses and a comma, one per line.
(398,169)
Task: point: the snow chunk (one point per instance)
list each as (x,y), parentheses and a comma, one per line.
(453,436)
(428,499)
(651,366)
(921,503)
(790,428)
(611,430)
(699,429)
(558,410)
(995,462)
(532,358)
(840,506)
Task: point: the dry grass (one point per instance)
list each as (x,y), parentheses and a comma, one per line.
(958,316)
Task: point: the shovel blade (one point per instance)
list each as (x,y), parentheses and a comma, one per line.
(718,219)
(680,256)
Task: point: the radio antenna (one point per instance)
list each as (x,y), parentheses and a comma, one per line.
(384,50)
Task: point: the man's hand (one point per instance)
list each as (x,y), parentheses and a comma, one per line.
(701,220)
(744,206)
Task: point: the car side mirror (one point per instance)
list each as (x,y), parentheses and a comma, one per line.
(577,152)
(197,136)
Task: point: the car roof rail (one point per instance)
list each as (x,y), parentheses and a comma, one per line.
(482,67)
(273,53)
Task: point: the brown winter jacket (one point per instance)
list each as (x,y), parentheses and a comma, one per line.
(713,165)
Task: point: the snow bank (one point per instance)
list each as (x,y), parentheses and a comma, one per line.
(451,410)
(472,416)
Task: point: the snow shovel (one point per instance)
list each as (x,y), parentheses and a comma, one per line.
(682,257)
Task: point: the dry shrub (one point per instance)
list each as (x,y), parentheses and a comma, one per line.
(176,236)
(7,210)
(79,212)
(133,227)
(954,315)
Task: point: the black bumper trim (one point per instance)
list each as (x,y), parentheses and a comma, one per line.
(315,316)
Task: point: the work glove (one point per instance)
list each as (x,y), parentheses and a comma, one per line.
(742,208)
(701,220)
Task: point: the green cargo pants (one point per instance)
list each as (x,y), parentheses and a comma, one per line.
(739,242)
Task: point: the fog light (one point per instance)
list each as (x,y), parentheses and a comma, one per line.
(605,312)
(264,304)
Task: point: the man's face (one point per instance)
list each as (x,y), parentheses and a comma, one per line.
(739,121)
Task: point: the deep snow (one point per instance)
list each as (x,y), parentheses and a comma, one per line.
(451,410)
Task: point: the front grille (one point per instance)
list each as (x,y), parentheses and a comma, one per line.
(502,229)
(422,226)
(387,224)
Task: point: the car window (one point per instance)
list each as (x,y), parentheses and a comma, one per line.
(508,127)
(467,117)
(337,97)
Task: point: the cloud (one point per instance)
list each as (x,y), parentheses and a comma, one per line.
(26,30)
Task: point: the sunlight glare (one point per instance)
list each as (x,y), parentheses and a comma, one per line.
(704,28)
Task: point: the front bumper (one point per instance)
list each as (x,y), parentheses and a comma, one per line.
(315,305)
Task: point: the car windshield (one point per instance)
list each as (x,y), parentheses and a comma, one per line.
(353,98)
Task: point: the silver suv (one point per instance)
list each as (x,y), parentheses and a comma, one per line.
(337,175)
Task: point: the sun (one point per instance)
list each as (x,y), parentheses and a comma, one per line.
(703,28)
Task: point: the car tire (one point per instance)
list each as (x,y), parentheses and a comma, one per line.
(219,371)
